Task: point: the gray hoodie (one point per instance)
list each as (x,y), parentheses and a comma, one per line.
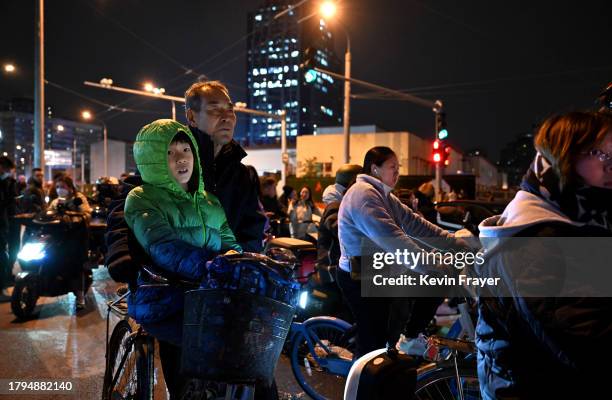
(371,217)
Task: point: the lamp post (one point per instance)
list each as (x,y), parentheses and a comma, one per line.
(87,116)
(39,88)
(328,10)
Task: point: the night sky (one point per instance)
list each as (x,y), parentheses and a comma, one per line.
(500,67)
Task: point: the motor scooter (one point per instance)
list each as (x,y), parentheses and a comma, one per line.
(320,294)
(54,258)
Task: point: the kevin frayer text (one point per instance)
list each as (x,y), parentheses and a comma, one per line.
(427,280)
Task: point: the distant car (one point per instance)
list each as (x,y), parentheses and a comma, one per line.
(460,214)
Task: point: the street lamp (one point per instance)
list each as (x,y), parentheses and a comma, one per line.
(328,10)
(149,87)
(87,116)
(9,68)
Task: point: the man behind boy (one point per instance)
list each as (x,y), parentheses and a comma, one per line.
(211,117)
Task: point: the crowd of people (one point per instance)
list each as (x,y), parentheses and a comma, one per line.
(30,198)
(194,199)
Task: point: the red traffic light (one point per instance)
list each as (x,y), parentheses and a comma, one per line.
(437,152)
(441,152)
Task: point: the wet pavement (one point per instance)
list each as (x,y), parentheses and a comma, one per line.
(64,345)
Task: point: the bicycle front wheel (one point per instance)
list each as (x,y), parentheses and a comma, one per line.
(443,383)
(129,366)
(329,342)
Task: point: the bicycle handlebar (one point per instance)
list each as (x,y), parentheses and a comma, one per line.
(280,267)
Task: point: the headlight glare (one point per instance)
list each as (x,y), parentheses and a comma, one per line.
(32,251)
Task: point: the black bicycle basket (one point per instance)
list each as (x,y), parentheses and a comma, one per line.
(235,326)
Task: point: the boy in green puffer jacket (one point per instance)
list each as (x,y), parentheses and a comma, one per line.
(179,225)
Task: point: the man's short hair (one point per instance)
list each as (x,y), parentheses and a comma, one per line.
(6,162)
(193,95)
(34,170)
(268,181)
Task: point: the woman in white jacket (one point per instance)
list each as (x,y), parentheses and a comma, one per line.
(372,219)
(300,215)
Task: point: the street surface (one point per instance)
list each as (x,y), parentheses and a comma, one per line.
(60,344)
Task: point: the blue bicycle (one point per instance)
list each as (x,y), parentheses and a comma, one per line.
(321,353)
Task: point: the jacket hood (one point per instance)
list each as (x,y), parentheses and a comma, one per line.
(378,184)
(150,154)
(525,210)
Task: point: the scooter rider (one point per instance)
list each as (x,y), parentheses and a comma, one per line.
(67,194)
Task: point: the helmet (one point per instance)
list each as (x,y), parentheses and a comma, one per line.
(107,180)
(107,188)
(347,174)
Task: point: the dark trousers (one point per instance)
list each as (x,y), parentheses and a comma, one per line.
(5,269)
(380,320)
(14,244)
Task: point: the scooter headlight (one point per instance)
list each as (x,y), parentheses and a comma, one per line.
(32,251)
(303,302)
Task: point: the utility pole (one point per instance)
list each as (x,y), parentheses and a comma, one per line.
(39,88)
(437,109)
(347,102)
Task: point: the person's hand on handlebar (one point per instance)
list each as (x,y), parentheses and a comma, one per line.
(466,238)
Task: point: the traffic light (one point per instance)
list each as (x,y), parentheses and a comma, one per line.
(310,76)
(446,154)
(440,153)
(441,130)
(437,153)
(308,64)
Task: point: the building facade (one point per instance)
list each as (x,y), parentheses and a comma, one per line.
(276,48)
(319,153)
(67,143)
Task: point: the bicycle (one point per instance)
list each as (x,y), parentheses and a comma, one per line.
(450,376)
(130,353)
(322,349)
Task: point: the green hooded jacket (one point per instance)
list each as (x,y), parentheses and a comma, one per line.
(178,229)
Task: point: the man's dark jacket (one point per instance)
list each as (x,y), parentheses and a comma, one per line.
(33,200)
(228,179)
(123,255)
(328,245)
(273,205)
(8,204)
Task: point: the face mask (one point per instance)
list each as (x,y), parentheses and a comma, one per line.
(61,192)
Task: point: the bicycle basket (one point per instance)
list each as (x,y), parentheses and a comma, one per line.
(254,274)
(233,336)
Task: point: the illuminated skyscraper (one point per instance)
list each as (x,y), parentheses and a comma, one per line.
(276,48)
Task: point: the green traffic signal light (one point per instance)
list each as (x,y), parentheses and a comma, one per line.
(443,134)
(310,76)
